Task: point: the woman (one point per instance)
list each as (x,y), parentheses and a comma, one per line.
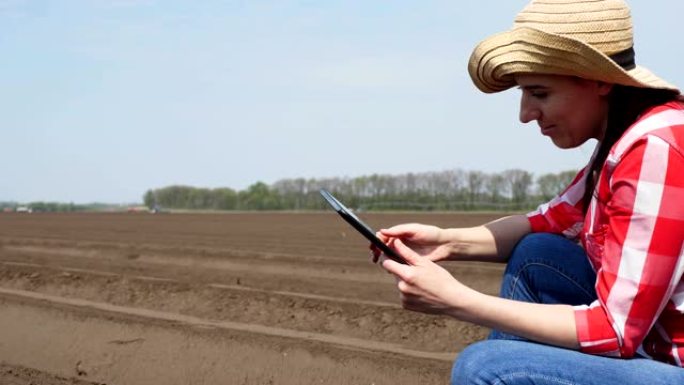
(593,290)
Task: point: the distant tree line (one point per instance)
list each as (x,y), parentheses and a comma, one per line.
(52,207)
(447,190)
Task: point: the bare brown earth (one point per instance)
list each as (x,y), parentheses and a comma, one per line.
(240,298)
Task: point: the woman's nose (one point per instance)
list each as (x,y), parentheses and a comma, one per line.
(528,110)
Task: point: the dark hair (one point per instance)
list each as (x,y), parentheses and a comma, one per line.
(625,106)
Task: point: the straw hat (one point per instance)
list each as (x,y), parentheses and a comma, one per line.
(591,39)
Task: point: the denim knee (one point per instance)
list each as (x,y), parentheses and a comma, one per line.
(516,362)
(530,246)
(549,268)
(469,366)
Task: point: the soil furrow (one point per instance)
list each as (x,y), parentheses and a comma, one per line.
(101,343)
(299,312)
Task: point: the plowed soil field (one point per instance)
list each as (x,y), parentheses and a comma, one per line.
(240,298)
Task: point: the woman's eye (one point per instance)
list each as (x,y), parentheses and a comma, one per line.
(540,95)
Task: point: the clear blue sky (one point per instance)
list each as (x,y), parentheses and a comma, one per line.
(102,100)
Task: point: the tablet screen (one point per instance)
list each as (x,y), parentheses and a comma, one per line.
(360,226)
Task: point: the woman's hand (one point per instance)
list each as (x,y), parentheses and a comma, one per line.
(490,242)
(427,241)
(424,286)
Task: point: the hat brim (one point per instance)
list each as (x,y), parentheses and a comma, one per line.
(525,50)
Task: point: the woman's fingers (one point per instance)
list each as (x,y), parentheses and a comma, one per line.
(374,253)
(403,272)
(410,256)
(398,231)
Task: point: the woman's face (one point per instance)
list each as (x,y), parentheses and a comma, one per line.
(569,110)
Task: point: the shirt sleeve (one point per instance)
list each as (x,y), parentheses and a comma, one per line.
(641,261)
(564,213)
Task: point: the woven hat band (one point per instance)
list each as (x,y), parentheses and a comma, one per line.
(625,59)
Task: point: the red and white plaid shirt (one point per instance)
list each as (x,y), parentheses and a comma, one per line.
(633,233)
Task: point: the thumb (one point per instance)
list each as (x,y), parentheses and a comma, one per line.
(400,270)
(411,257)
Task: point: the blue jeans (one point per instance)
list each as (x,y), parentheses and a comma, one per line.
(546,268)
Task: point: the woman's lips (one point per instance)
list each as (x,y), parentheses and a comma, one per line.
(547,130)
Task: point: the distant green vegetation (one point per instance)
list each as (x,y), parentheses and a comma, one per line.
(432,191)
(56,207)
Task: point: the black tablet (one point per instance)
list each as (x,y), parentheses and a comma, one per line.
(361,227)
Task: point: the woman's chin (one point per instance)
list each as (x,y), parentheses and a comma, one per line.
(564,143)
